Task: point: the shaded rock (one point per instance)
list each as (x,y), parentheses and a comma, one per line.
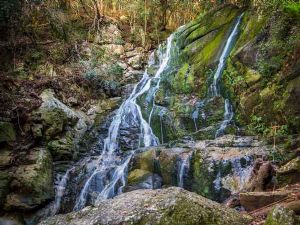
(7,132)
(11,219)
(62,149)
(167,206)
(5,158)
(281,216)
(31,185)
(54,121)
(5,179)
(142,179)
(289,173)
(255,200)
(261,177)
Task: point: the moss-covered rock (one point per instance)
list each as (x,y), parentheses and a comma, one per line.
(157,207)
(54,121)
(289,173)
(62,149)
(7,132)
(31,185)
(280,216)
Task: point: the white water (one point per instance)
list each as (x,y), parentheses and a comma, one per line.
(228,116)
(222,61)
(184,166)
(60,191)
(215,87)
(109,175)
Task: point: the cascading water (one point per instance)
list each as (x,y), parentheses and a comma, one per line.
(184,166)
(109,175)
(228,115)
(59,190)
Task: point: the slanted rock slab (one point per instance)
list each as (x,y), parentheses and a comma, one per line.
(172,206)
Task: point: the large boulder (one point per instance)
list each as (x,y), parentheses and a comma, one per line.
(155,207)
(31,185)
(61,126)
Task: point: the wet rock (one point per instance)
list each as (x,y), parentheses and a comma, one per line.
(142,179)
(31,185)
(255,200)
(7,132)
(167,206)
(280,216)
(223,166)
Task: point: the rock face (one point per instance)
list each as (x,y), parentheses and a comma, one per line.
(31,185)
(289,173)
(161,207)
(215,168)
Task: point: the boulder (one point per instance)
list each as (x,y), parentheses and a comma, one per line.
(289,173)
(7,132)
(155,207)
(31,185)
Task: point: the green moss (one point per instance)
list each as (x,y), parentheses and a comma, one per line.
(62,149)
(54,121)
(183,82)
(7,132)
(137,176)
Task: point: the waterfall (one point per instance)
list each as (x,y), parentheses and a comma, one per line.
(60,190)
(184,166)
(109,175)
(222,61)
(215,87)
